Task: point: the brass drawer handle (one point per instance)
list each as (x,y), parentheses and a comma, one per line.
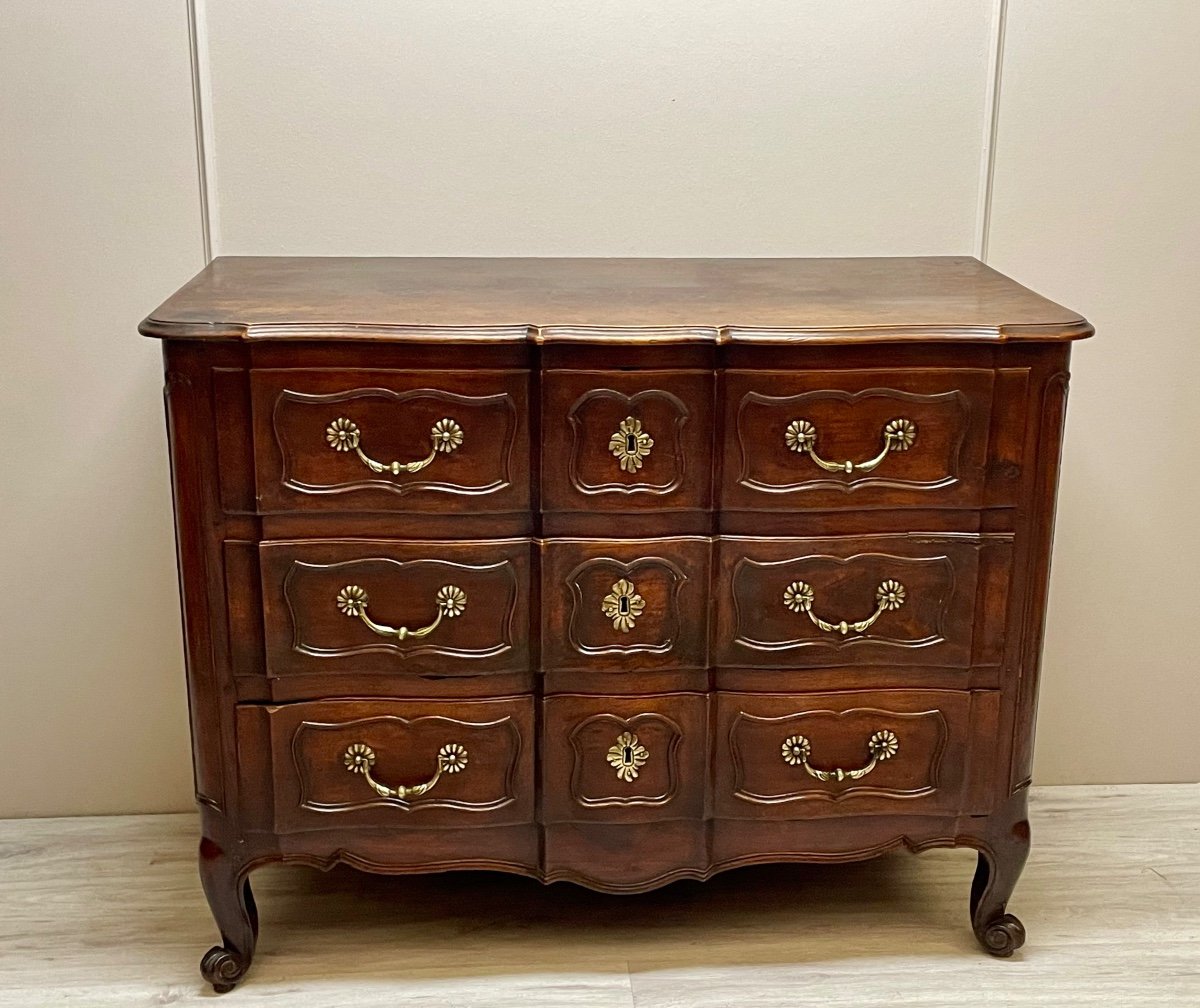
(344,435)
(360,757)
(630,444)
(798,596)
(883,745)
(898,435)
(451,601)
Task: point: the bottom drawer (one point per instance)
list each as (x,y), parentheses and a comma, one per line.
(624,759)
(344,764)
(894,752)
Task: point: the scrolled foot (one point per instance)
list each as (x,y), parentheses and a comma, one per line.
(1003,936)
(223,968)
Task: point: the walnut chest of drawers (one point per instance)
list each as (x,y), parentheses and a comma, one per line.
(610,571)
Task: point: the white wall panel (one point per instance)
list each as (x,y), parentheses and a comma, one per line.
(99,220)
(555,127)
(1097,203)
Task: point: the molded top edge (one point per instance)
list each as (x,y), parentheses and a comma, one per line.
(610,301)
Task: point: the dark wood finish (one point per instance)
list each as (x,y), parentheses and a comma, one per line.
(486,301)
(939,623)
(312,789)
(582,410)
(927,775)
(533,518)
(581,784)
(307,633)
(849,410)
(395,411)
(671,576)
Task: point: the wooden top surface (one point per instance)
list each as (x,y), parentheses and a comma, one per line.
(610,300)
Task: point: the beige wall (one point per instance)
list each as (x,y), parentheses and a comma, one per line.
(1097,201)
(98,218)
(782,127)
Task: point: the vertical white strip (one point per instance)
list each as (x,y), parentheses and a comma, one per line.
(202,104)
(991,124)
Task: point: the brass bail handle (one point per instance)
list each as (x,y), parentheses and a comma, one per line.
(451,601)
(344,435)
(898,436)
(883,745)
(799,597)
(359,758)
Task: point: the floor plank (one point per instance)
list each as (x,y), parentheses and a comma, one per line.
(108,911)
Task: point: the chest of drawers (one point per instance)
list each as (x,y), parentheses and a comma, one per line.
(610,571)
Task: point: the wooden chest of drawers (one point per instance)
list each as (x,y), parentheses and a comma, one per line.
(612,571)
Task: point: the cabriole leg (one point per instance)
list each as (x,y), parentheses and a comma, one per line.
(232,905)
(996,875)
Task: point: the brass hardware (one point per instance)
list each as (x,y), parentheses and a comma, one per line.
(799,596)
(360,757)
(344,435)
(630,444)
(623,606)
(898,435)
(883,745)
(628,756)
(451,601)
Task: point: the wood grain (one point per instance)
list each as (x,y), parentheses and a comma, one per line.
(549,535)
(613,301)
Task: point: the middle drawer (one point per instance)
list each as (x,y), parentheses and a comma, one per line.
(625,605)
(432,608)
(930,599)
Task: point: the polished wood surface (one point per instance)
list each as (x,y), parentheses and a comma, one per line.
(625,524)
(490,300)
(106,911)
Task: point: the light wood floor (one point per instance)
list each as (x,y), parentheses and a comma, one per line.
(108,911)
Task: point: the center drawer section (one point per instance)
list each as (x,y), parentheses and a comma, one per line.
(616,441)
(392,607)
(624,759)
(625,605)
(911,599)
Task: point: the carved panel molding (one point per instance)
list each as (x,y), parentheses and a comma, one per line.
(496,746)
(584,623)
(667,443)
(661,736)
(482,471)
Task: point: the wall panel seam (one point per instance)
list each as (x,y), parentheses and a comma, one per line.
(201,106)
(991,126)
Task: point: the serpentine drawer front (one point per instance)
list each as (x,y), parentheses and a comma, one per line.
(610,571)
(390,440)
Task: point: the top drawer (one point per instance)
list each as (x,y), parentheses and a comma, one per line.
(862,439)
(417,441)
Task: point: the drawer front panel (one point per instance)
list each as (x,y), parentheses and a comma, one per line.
(327,440)
(615,441)
(478,754)
(898,752)
(624,759)
(621,606)
(882,600)
(910,438)
(333,606)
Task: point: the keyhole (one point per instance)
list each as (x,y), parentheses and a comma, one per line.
(630,444)
(623,605)
(627,755)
